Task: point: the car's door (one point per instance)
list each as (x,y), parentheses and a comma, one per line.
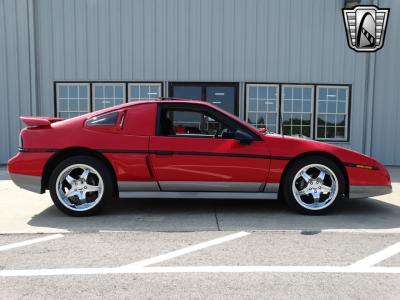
(194,150)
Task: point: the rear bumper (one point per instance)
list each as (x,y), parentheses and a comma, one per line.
(365,191)
(28,182)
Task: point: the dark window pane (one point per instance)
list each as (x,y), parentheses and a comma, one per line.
(261,119)
(73,91)
(271,105)
(306,131)
(83,92)
(272,93)
(83,105)
(322,106)
(222,96)
(63,92)
(262,105)
(63,115)
(307,93)
(296,119)
(286,130)
(288,93)
(253,92)
(287,105)
(74,114)
(296,130)
(73,105)
(119,92)
(323,94)
(341,107)
(119,101)
(98,91)
(272,128)
(98,104)
(187,92)
(340,132)
(342,94)
(297,93)
(340,119)
(297,105)
(286,119)
(331,120)
(154,91)
(322,119)
(271,119)
(134,91)
(252,105)
(321,132)
(262,93)
(144,92)
(251,118)
(332,94)
(331,106)
(306,119)
(330,132)
(306,106)
(63,105)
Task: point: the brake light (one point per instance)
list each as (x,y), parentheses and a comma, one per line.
(20,142)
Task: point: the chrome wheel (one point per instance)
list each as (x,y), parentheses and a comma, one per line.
(79,187)
(315,187)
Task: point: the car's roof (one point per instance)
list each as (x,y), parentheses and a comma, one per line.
(137,102)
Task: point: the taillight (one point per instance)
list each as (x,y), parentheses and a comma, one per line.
(20,142)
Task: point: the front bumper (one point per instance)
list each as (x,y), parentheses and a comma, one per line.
(365,191)
(27,182)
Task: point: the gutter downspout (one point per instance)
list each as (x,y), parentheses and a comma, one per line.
(32,58)
(369,105)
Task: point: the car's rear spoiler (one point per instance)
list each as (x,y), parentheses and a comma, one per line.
(39,121)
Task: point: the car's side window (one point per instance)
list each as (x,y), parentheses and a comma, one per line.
(109,119)
(181,122)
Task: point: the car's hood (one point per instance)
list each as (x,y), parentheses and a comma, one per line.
(281,145)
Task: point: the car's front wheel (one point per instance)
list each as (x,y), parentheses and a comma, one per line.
(313,185)
(81,185)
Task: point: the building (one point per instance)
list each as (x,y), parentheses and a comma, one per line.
(282,64)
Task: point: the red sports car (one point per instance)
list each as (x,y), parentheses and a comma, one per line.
(184,149)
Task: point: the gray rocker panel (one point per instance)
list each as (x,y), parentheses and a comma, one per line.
(200,195)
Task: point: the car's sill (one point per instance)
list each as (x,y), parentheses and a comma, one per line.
(200,195)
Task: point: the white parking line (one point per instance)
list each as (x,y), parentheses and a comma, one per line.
(362,266)
(378,256)
(30,242)
(173,254)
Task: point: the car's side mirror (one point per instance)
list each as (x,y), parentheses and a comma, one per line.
(243,137)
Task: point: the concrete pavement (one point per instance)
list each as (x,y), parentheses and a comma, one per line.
(280,255)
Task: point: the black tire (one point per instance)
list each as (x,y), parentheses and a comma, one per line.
(288,194)
(103,171)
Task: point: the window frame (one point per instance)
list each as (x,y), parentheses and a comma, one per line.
(312,110)
(70,83)
(247,101)
(91,83)
(203,85)
(129,84)
(347,113)
(93,92)
(313,103)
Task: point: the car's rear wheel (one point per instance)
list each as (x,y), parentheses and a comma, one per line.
(313,185)
(81,185)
